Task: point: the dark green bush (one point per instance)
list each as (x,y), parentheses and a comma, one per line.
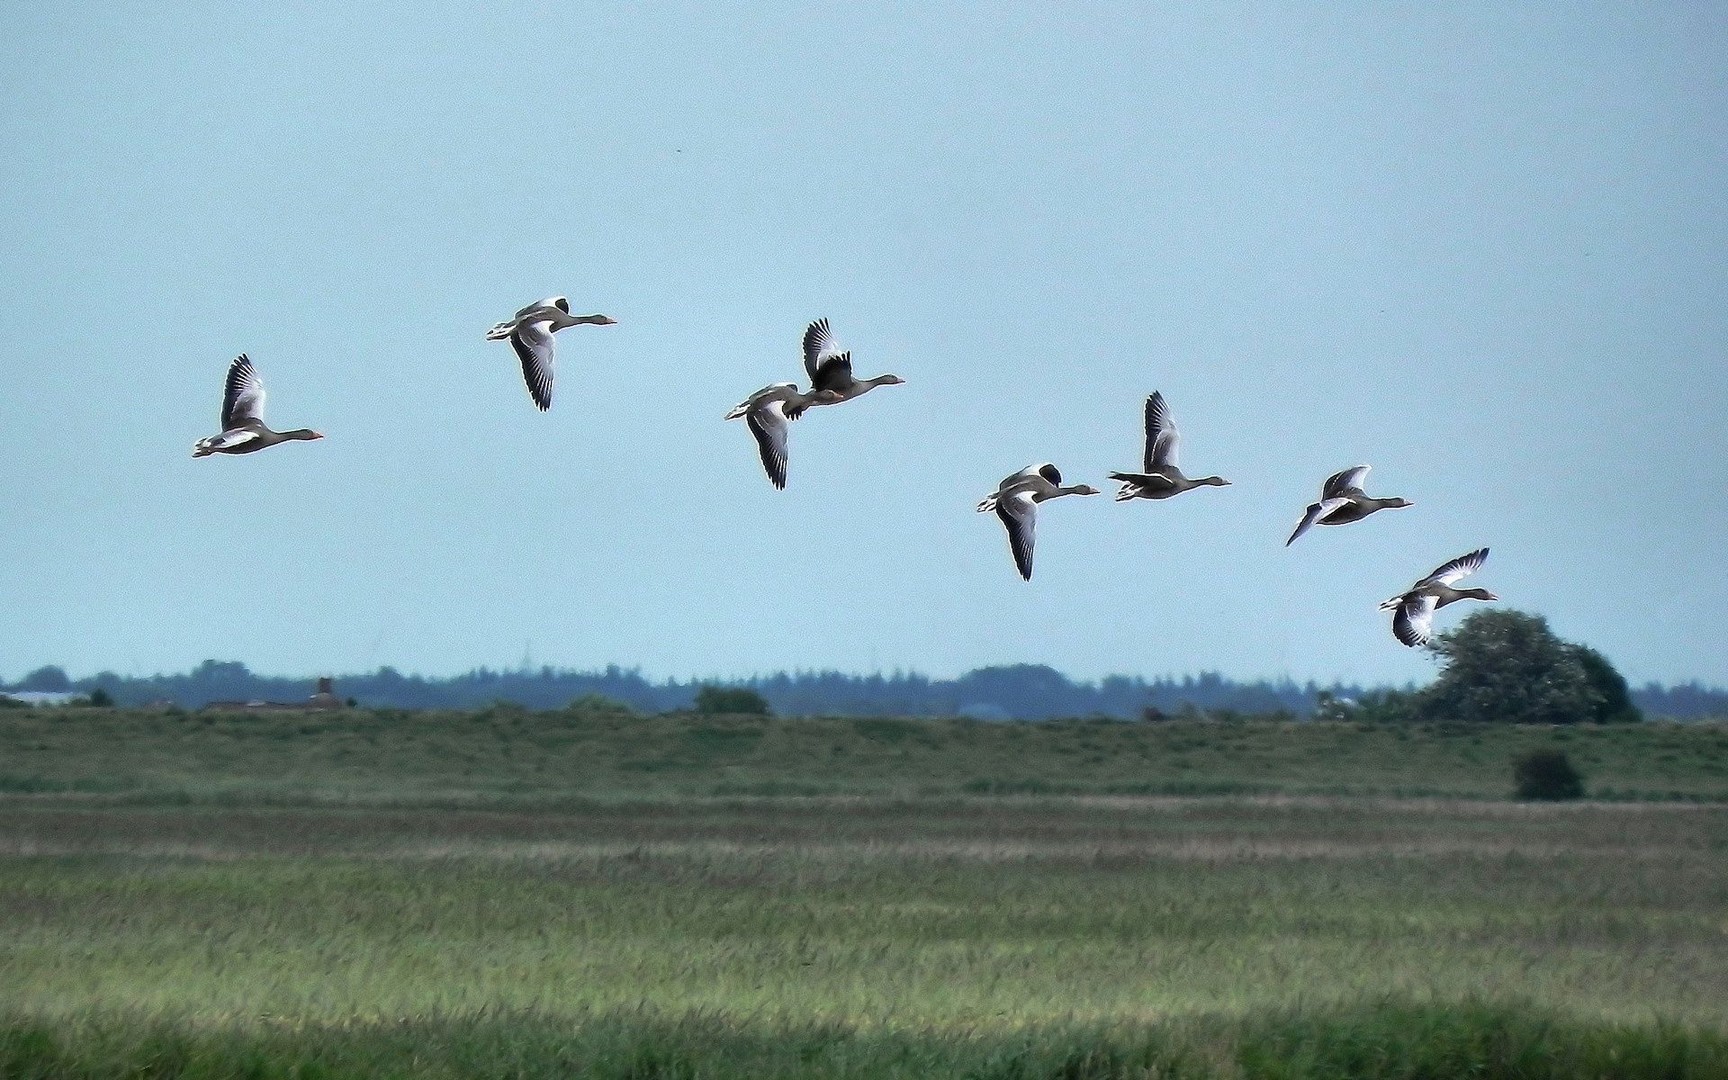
(1506,666)
(1615,705)
(1547,775)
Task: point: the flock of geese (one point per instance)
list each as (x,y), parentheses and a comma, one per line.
(768,414)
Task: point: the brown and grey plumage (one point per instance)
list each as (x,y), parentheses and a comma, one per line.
(530,332)
(1413,622)
(1016,502)
(766,414)
(831,369)
(243,429)
(1343,501)
(1162,477)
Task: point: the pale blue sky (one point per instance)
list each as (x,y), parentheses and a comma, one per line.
(1486,252)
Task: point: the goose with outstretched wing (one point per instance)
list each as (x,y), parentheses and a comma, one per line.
(1016,502)
(1343,501)
(530,334)
(1413,621)
(1162,477)
(243,429)
(765,413)
(831,369)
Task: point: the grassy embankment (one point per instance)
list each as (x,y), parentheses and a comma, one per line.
(235,900)
(506,756)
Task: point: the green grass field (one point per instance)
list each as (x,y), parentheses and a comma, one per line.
(509,757)
(533,895)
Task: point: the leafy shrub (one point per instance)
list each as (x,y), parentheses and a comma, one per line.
(101,699)
(736,701)
(1615,705)
(1547,775)
(1506,666)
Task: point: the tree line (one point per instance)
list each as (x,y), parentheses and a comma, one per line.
(1491,659)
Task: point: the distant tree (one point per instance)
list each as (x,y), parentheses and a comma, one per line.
(716,700)
(101,699)
(1548,775)
(1376,707)
(1616,705)
(1507,666)
(48,679)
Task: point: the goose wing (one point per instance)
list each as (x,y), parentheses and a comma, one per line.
(818,344)
(767,421)
(1316,512)
(1161,437)
(1020,515)
(1452,572)
(242,394)
(1031,476)
(1340,483)
(1024,480)
(1414,621)
(533,344)
(549,304)
(833,373)
(783,391)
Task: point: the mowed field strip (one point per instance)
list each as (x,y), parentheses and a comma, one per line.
(265,919)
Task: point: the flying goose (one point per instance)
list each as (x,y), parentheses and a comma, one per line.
(765,412)
(530,333)
(243,429)
(1343,501)
(1016,503)
(831,369)
(1162,478)
(1415,607)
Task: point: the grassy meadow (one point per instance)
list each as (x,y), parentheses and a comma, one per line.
(507,756)
(590,894)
